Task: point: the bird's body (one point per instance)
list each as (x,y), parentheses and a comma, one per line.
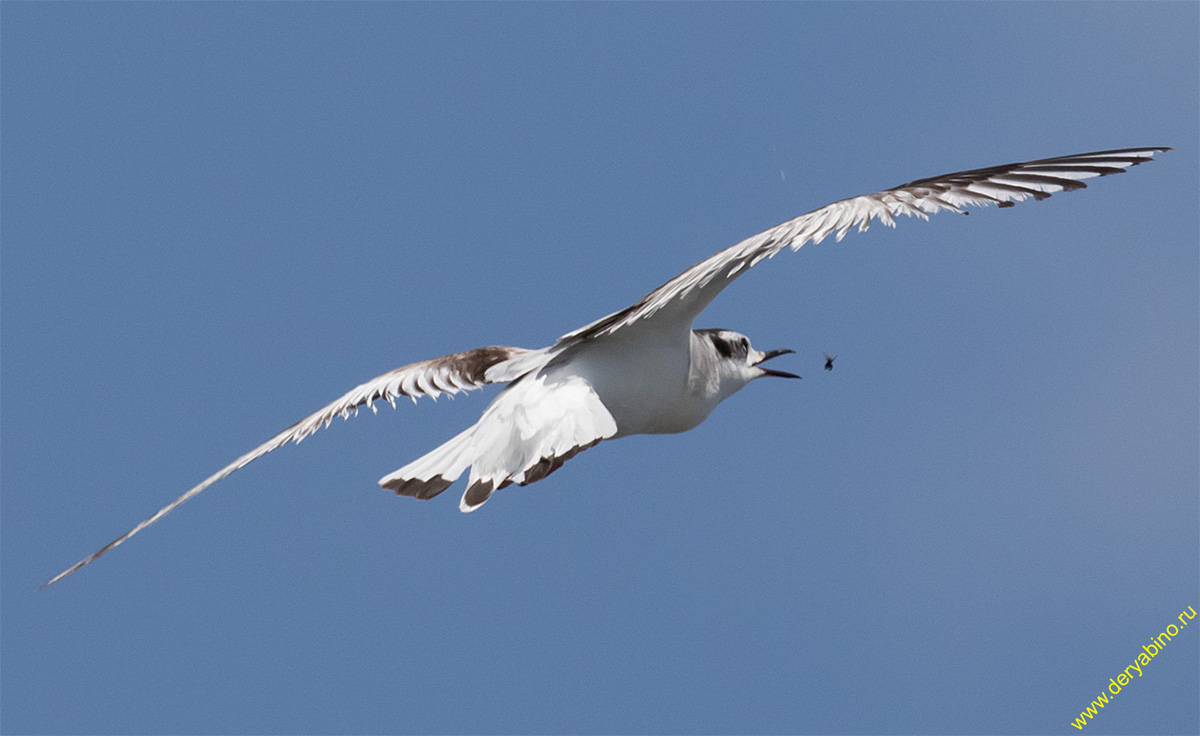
(656,381)
(643,369)
(644,380)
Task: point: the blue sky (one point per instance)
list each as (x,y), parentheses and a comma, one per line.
(217,217)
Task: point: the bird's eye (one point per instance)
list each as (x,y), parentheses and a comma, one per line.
(745,345)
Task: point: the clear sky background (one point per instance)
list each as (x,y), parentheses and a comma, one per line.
(217,217)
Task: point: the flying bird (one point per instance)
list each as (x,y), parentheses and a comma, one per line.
(829,361)
(644,369)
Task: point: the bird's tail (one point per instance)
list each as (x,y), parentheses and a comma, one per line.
(434,472)
(528,432)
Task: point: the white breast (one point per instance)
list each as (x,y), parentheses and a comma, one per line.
(647,380)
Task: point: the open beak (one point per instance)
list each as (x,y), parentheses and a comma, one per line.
(775,354)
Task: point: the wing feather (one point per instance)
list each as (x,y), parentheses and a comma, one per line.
(1003,186)
(450,374)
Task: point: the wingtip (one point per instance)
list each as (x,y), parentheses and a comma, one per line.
(77,566)
(56,578)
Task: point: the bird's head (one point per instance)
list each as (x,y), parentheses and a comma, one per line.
(735,362)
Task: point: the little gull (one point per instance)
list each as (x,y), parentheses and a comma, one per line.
(642,370)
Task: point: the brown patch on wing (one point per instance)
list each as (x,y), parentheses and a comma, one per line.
(473,364)
(448,374)
(417,488)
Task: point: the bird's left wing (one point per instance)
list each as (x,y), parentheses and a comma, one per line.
(691,291)
(449,374)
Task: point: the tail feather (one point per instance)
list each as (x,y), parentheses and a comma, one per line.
(478,492)
(434,472)
(530,430)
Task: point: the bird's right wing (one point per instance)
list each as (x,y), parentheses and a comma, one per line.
(686,295)
(449,374)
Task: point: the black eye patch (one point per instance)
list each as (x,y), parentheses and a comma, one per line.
(723,346)
(726,348)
